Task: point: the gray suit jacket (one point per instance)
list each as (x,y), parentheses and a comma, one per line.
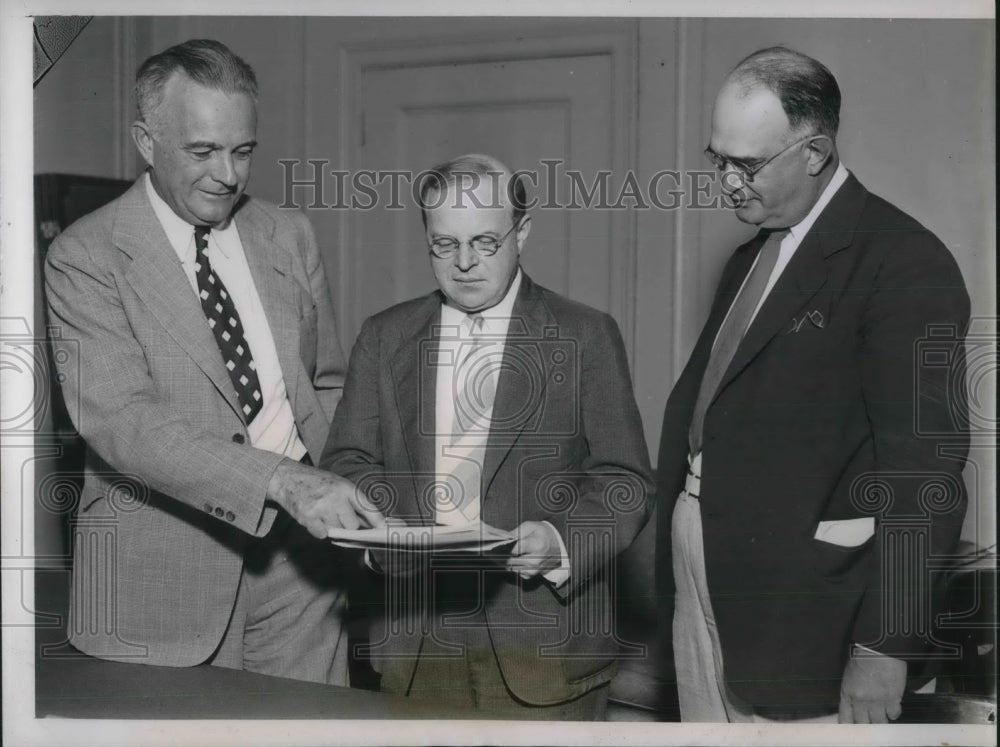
(565,446)
(172,489)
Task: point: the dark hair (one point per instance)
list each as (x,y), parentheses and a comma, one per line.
(471,169)
(808,91)
(205,61)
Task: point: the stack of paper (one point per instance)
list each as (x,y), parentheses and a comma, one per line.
(399,537)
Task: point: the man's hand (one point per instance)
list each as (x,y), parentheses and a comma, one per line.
(320,500)
(537,550)
(872,688)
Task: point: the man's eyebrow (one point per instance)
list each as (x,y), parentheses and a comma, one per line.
(209,145)
(737,159)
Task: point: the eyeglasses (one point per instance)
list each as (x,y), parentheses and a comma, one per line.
(485,245)
(747,171)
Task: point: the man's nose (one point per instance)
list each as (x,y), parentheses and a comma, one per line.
(731,179)
(225,171)
(466,258)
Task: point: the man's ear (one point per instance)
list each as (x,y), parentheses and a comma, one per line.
(820,149)
(143,138)
(522,232)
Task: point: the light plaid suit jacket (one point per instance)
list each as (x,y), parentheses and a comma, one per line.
(172,489)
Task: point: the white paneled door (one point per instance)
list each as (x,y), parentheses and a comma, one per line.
(555,110)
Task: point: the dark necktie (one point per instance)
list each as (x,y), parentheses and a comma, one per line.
(731,333)
(228,329)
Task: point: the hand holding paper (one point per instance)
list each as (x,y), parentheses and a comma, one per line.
(537,551)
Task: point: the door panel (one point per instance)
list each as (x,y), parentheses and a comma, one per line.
(522,111)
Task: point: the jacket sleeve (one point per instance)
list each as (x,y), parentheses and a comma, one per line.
(613,496)
(122,416)
(331,366)
(915,408)
(354,447)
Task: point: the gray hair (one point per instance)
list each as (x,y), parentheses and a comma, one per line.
(206,61)
(470,169)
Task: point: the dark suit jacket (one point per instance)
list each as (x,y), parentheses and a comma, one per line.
(827,412)
(172,489)
(566,446)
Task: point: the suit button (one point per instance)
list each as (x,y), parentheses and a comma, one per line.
(219,512)
(230,516)
(238,438)
(208,507)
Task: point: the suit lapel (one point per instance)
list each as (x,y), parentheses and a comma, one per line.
(271,269)
(415,384)
(157,277)
(804,276)
(521,363)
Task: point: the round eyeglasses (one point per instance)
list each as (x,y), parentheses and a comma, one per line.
(747,171)
(485,245)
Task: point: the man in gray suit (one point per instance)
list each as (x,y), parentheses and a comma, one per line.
(495,399)
(207,370)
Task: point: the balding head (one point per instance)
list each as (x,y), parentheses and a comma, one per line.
(807,90)
(773,129)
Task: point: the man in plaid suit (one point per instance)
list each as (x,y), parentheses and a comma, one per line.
(207,370)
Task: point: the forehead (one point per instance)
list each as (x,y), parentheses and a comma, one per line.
(197,112)
(747,123)
(468,209)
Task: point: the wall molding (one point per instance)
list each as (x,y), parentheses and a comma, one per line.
(125,67)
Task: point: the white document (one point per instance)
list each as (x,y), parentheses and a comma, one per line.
(400,537)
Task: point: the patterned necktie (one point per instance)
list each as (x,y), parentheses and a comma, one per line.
(228,329)
(474,393)
(731,333)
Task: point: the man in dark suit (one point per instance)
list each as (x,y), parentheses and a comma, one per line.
(497,400)
(206,369)
(791,471)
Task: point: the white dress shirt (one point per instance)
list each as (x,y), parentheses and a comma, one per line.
(274,427)
(456,333)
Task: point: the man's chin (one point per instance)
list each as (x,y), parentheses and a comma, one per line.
(215,214)
(747,213)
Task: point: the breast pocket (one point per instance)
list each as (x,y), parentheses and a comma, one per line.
(308,334)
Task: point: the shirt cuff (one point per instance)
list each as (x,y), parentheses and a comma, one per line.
(558,576)
(868,650)
(370,563)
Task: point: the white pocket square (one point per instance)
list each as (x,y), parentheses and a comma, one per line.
(846,532)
